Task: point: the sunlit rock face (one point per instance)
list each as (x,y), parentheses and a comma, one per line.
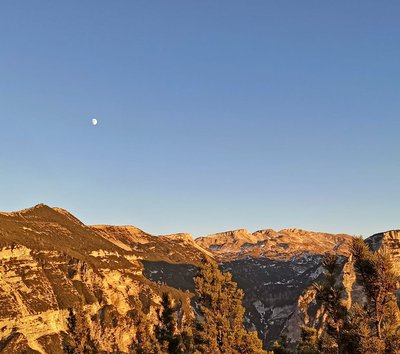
(275,269)
(282,245)
(387,242)
(309,311)
(50,260)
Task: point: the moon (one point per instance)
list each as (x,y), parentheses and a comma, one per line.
(94,121)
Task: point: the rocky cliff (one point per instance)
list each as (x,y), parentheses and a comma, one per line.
(275,269)
(309,311)
(387,242)
(50,260)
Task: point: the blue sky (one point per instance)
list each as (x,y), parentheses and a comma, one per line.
(213,115)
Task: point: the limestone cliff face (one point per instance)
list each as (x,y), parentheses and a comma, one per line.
(38,286)
(275,269)
(50,261)
(387,242)
(309,312)
(271,244)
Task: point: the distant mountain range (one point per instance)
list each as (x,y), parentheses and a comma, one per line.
(50,260)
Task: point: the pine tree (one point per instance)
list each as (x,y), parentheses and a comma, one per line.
(309,341)
(219,327)
(78,340)
(167,332)
(370,329)
(330,294)
(357,334)
(379,282)
(144,341)
(281,346)
(187,322)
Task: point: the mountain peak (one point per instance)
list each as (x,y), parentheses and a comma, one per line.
(39,206)
(180,237)
(28,210)
(237,234)
(32,212)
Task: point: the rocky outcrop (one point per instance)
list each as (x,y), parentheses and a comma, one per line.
(50,261)
(272,244)
(275,269)
(389,243)
(310,312)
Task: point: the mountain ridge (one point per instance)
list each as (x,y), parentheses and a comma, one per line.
(49,260)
